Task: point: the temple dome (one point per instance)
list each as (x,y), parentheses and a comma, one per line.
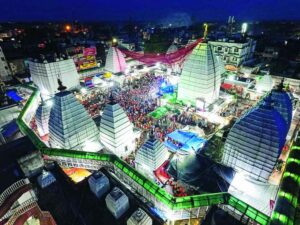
(115,61)
(201,75)
(151,155)
(116,130)
(70,126)
(255,141)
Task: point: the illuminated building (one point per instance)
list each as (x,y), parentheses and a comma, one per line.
(151,155)
(234,52)
(139,217)
(45,74)
(5,73)
(99,184)
(85,60)
(116,131)
(255,141)
(70,125)
(115,61)
(264,84)
(201,76)
(117,202)
(177,208)
(42,118)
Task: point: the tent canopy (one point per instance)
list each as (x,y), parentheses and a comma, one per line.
(189,141)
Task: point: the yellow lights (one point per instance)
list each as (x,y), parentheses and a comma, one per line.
(68,28)
(114,40)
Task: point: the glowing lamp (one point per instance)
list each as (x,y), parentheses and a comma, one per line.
(68,28)
(244,27)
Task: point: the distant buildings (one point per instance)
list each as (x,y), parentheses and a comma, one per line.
(151,155)
(115,61)
(70,126)
(117,202)
(234,52)
(201,76)
(116,131)
(5,73)
(45,74)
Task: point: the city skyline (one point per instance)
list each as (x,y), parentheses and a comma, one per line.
(91,10)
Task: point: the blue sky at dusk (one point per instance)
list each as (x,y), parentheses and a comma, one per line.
(115,10)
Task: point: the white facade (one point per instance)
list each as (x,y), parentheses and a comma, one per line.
(201,76)
(234,53)
(116,131)
(42,118)
(117,202)
(45,76)
(70,125)
(139,217)
(5,73)
(151,155)
(265,84)
(115,61)
(99,184)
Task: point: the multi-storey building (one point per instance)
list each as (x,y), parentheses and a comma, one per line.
(234,52)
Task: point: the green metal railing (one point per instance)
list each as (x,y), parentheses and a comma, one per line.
(173,203)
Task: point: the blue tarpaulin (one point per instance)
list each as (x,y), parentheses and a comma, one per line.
(14,96)
(187,141)
(10,129)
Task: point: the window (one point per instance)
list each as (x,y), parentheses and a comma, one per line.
(2,58)
(6,67)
